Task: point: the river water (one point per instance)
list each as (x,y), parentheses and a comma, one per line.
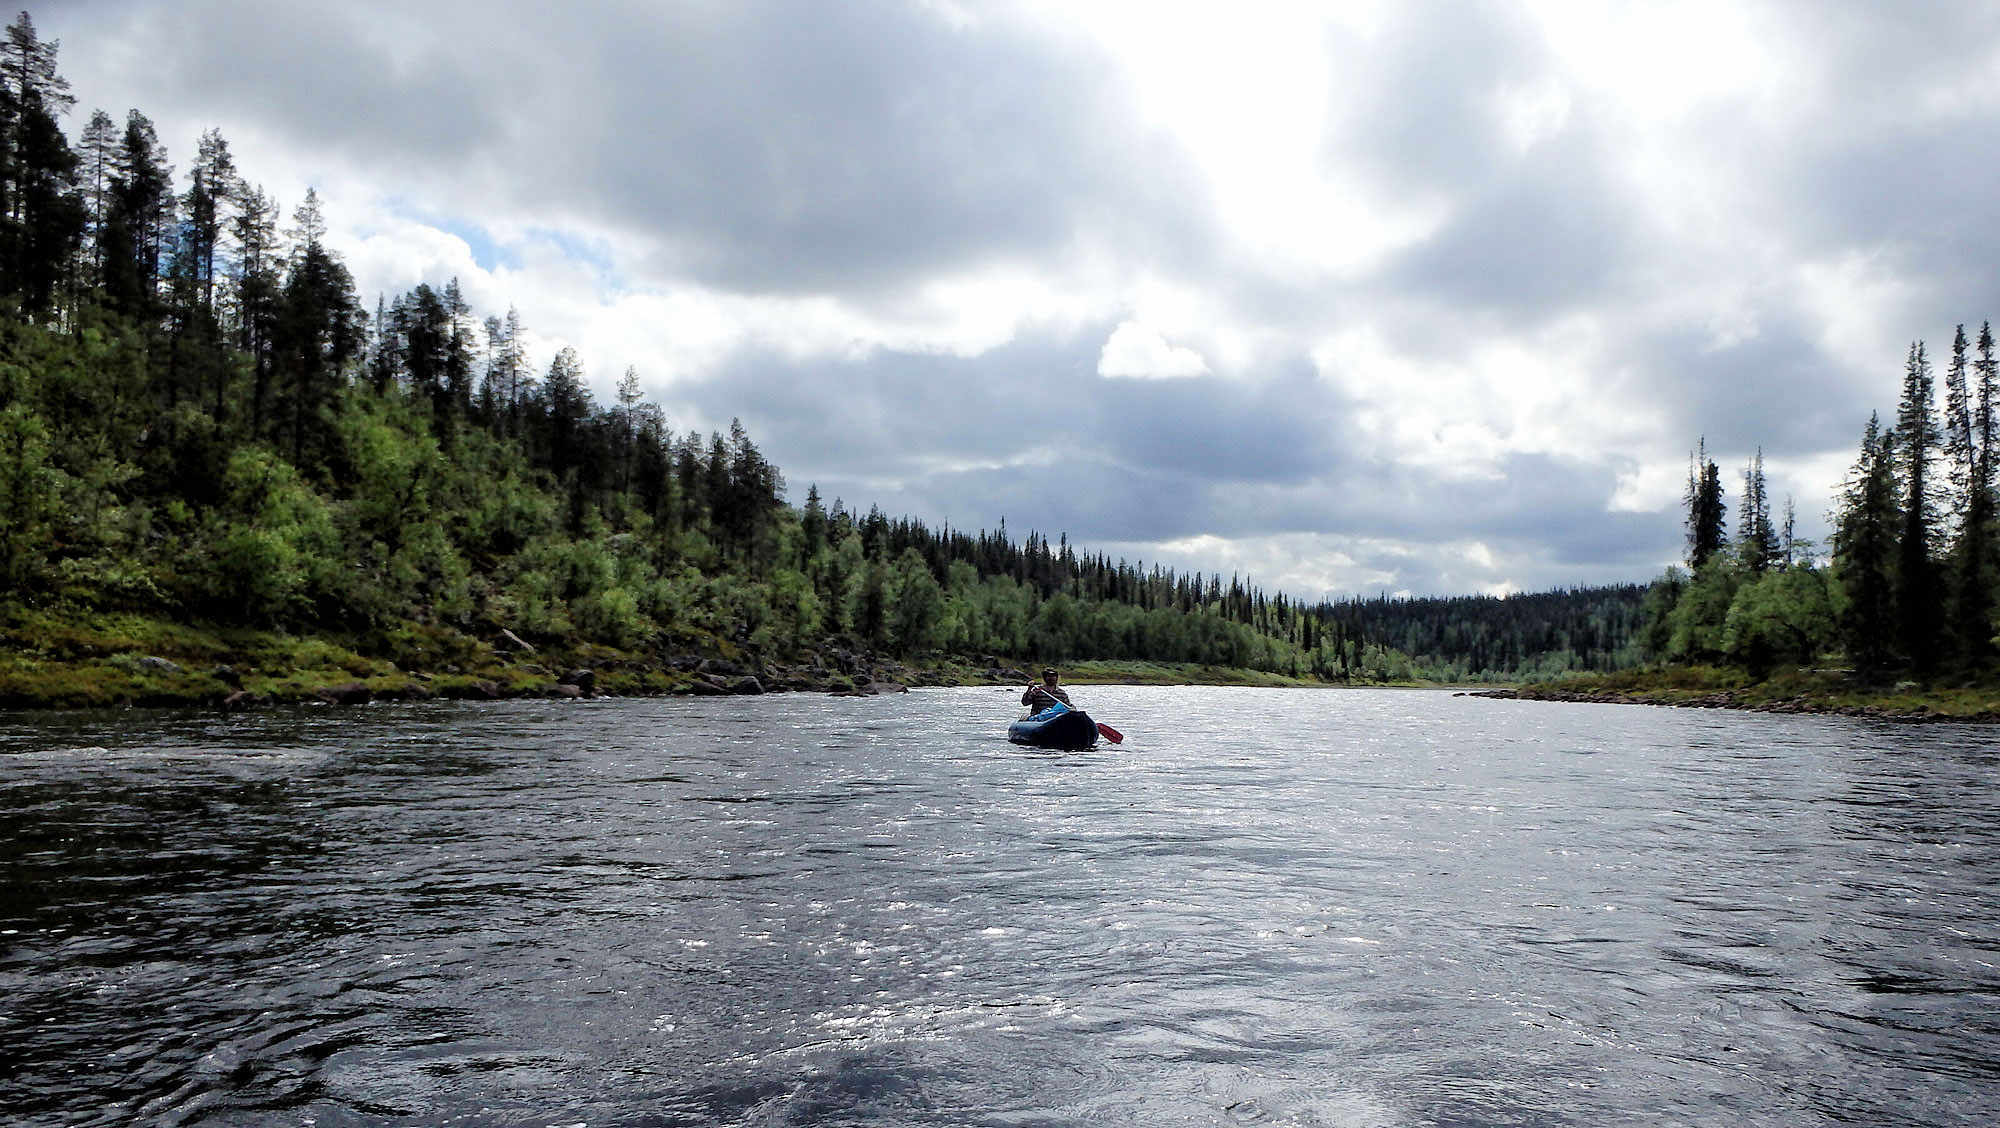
(1369,908)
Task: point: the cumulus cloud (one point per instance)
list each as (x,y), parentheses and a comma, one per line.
(1142,353)
(1348,298)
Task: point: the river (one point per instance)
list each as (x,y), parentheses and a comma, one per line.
(1278,907)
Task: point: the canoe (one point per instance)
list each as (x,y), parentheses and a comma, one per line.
(1057,726)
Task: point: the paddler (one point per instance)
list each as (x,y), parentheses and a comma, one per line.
(1039,697)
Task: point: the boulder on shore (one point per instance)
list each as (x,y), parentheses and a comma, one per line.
(350,693)
(872,689)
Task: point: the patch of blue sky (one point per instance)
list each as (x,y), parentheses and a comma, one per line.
(490,252)
(593,253)
(487,252)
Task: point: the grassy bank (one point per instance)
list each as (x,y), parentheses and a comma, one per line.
(77,659)
(1790,691)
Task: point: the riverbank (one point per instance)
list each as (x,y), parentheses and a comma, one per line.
(1833,692)
(72,660)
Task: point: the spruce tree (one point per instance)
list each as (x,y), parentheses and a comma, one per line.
(1959,448)
(319,332)
(1914,447)
(216,190)
(1973,567)
(1706,509)
(97,165)
(135,232)
(1757,542)
(252,300)
(1864,545)
(41,217)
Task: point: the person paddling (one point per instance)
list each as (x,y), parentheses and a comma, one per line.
(1039,697)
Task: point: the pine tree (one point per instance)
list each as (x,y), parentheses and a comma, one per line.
(195,334)
(1974,569)
(568,405)
(1959,448)
(1913,446)
(1865,545)
(1706,510)
(41,217)
(136,235)
(506,384)
(252,302)
(214,191)
(1757,542)
(626,420)
(458,358)
(319,332)
(30,68)
(97,166)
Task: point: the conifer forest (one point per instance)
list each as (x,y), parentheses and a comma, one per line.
(1907,586)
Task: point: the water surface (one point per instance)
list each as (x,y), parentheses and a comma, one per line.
(1268,907)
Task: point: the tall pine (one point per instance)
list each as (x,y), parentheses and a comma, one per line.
(1914,448)
(1973,567)
(1757,541)
(1706,510)
(1864,548)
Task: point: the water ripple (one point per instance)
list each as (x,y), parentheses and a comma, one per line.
(1267,907)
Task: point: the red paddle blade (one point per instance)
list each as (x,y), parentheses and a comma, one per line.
(1111,734)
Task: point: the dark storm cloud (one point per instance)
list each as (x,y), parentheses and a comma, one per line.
(1420,114)
(882,418)
(762,146)
(1125,462)
(1777,390)
(1413,102)
(1925,200)
(1894,147)
(348,78)
(826,146)
(1543,242)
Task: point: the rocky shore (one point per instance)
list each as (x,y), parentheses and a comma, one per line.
(1896,708)
(48,664)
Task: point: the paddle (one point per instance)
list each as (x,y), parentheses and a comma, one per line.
(1104,730)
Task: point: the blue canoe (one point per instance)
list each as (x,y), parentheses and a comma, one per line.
(1057,726)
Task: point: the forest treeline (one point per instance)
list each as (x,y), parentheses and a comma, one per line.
(200,420)
(1908,583)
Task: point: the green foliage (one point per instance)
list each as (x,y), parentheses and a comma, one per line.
(916,624)
(1779,617)
(272,546)
(1656,637)
(30,494)
(1696,625)
(611,616)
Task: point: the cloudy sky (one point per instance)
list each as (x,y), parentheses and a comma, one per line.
(1413,296)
